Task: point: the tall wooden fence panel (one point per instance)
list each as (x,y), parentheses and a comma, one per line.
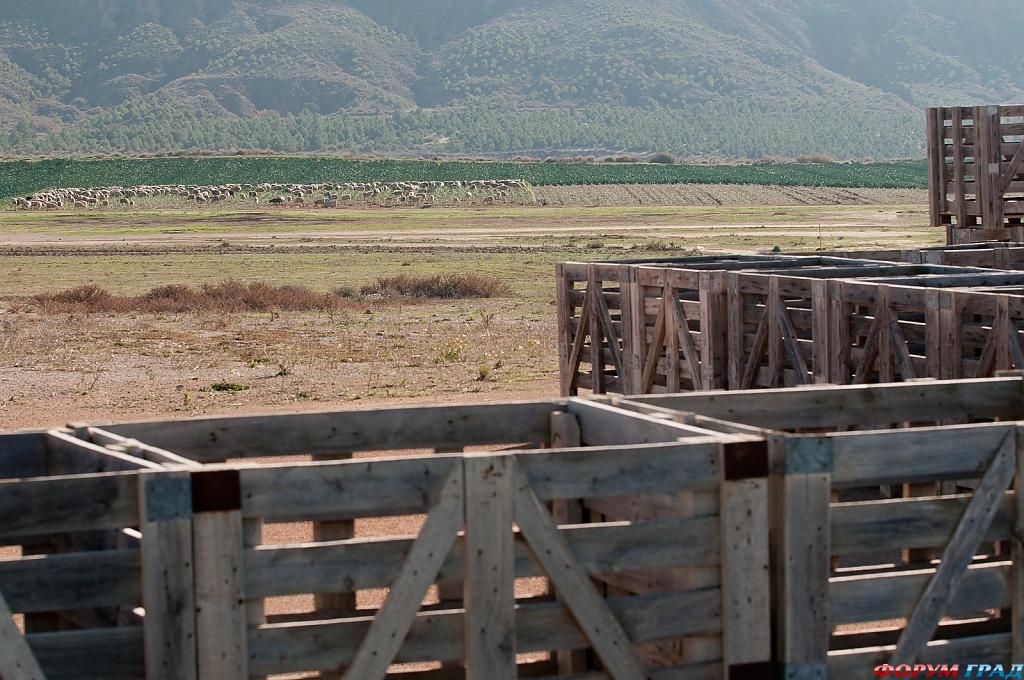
(976,172)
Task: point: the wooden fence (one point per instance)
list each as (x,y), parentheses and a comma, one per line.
(709,535)
(666,328)
(186,598)
(976,172)
(896,545)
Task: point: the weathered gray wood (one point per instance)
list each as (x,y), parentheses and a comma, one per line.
(804,550)
(374,563)
(490,567)
(689,347)
(884,457)
(138,449)
(892,595)
(893,524)
(411,427)
(602,425)
(565,433)
(219,595)
(372,488)
(592,615)
(958,553)
(43,506)
(395,617)
(17,662)
(97,654)
(746,586)
(76,456)
(840,406)
(40,583)
(165,518)
(22,454)
(438,636)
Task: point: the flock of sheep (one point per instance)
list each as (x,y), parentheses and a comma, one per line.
(323,195)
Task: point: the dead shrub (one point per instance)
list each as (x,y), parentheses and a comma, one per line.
(224,296)
(439,286)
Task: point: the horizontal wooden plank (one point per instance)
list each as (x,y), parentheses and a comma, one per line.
(872,526)
(96,654)
(918,454)
(622,470)
(893,595)
(841,406)
(288,648)
(40,506)
(373,563)
(602,425)
(72,581)
(22,455)
(412,427)
(857,664)
(344,489)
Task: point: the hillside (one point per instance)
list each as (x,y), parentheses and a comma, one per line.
(732,78)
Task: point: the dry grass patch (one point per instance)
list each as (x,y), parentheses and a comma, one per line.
(225,296)
(439,286)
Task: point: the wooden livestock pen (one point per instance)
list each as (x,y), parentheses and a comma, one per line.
(141,563)
(895,531)
(705,536)
(976,172)
(690,324)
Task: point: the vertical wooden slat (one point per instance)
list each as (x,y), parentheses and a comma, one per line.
(638,331)
(565,433)
(932,123)
(775,354)
(885,314)
(820,331)
(714,341)
(802,533)
(839,335)
(594,288)
(672,326)
(627,281)
(565,334)
(221,620)
(745,581)
(490,567)
(165,520)
(933,333)
(736,330)
(952,346)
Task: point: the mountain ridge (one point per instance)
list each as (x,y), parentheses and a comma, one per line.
(734,78)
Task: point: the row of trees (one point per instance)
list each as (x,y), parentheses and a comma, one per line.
(157,123)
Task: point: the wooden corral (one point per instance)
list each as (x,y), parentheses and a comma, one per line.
(700,324)
(976,172)
(702,536)
(895,530)
(183,594)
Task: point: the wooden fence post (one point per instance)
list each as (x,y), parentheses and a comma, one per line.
(746,577)
(736,331)
(564,307)
(802,536)
(714,329)
(839,341)
(933,119)
(221,619)
(490,567)
(165,519)
(820,331)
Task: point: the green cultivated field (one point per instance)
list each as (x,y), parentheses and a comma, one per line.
(18,178)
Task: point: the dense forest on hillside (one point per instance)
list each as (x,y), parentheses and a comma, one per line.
(728,78)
